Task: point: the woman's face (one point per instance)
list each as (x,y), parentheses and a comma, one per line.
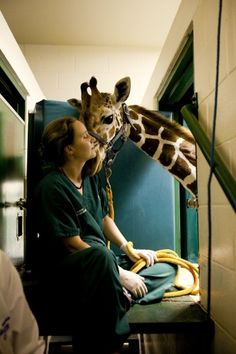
(84,146)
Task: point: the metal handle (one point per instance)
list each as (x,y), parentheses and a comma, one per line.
(192,203)
(21,203)
(19,225)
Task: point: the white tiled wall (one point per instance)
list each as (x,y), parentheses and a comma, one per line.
(223,304)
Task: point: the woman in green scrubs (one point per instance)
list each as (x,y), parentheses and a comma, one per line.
(73,224)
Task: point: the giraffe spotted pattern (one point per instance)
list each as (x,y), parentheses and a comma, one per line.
(165,141)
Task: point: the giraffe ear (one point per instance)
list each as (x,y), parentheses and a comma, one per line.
(122,90)
(75,103)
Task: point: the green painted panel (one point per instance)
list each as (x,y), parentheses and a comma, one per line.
(143,199)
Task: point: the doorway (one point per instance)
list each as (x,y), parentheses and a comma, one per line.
(178,91)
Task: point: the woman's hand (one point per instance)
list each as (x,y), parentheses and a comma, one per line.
(134,254)
(149,256)
(133,282)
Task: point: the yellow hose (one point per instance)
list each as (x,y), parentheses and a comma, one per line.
(172,257)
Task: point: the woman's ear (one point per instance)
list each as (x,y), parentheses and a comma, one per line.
(68,150)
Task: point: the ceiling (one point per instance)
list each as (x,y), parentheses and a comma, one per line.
(138,23)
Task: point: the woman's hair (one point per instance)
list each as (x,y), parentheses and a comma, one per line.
(57,135)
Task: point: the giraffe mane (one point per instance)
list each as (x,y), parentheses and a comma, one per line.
(158,118)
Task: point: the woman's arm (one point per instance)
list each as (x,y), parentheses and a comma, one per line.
(75,243)
(112,232)
(114,235)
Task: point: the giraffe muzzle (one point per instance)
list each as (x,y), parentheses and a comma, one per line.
(98,138)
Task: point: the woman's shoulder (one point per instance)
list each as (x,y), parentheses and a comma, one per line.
(50,180)
(51,175)
(95,181)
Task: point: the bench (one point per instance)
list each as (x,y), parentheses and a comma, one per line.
(181,318)
(169,317)
(182,325)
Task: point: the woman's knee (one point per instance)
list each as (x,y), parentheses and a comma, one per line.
(103,255)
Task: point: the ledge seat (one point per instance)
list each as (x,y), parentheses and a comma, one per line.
(169,317)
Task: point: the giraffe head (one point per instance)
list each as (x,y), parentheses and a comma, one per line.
(102,112)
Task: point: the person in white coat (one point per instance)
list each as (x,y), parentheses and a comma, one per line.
(19,332)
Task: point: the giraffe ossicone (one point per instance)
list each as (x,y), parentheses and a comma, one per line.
(165,141)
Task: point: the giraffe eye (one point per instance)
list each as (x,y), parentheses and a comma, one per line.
(107,119)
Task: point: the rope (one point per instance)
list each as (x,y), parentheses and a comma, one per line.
(172,257)
(109,194)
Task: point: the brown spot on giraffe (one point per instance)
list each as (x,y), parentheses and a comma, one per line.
(149,128)
(167,135)
(189,151)
(180,169)
(167,154)
(135,133)
(150,146)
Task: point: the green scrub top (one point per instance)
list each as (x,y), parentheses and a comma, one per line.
(62,211)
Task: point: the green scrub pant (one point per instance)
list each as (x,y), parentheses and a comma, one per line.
(88,286)
(158,278)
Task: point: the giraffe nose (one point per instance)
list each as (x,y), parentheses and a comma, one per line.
(92,138)
(98,137)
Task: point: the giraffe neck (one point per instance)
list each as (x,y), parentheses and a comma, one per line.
(166,143)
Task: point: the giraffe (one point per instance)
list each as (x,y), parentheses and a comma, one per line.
(165,141)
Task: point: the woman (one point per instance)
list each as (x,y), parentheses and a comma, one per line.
(73,224)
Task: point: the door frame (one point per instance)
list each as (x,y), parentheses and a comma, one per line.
(178,90)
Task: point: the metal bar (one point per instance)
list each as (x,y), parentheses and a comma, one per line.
(223,175)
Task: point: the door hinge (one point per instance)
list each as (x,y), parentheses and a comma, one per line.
(192,203)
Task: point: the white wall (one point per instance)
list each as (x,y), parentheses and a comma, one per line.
(12,56)
(60,70)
